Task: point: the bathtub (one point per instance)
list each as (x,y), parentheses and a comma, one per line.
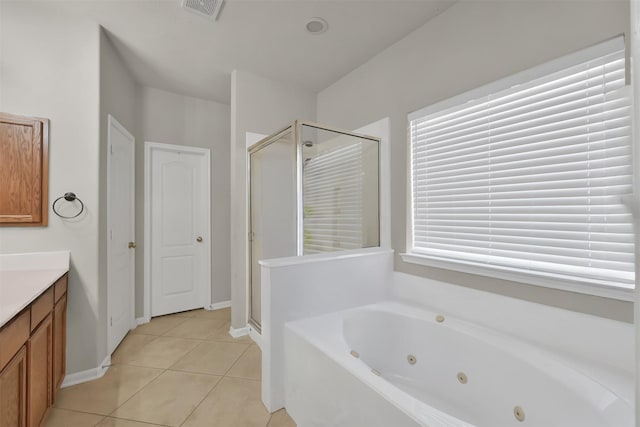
(394,365)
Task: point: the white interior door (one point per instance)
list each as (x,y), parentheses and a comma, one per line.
(120,232)
(179,216)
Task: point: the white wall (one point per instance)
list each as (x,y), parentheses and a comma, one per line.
(264,106)
(49,66)
(176,119)
(468,45)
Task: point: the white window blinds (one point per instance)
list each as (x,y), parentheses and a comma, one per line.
(332,189)
(529,176)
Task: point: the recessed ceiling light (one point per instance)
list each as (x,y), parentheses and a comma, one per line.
(316,25)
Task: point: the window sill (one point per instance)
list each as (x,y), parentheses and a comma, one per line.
(522,276)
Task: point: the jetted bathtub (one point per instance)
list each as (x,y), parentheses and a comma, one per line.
(395,365)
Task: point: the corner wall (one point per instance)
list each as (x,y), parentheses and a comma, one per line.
(468,45)
(118,97)
(49,67)
(171,118)
(263,106)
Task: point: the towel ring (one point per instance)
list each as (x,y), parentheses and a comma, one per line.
(69,197)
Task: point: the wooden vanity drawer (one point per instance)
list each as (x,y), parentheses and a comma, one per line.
(60,288)
(41,308)
(13,336)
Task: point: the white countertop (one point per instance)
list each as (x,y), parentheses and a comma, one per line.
(19,288)
(24,277)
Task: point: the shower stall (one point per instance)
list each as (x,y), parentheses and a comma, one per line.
(312,189)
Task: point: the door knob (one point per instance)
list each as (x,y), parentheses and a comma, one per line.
(132,245)
(199,239)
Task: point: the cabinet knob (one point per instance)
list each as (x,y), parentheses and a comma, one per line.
(132,245)
(199,239)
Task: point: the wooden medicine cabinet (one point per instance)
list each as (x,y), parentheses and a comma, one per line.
(24,170)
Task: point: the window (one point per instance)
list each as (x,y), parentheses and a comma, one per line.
(525,178)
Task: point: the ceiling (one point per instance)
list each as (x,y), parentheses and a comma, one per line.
(169,48)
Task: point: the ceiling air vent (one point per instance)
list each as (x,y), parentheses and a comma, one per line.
(207,8)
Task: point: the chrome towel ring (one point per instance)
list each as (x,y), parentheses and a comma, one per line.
(69,197)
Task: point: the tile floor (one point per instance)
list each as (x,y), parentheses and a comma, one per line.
(180,370)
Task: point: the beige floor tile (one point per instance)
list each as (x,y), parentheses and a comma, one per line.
(116,422)
(188,313)
(64,418)
(104,395)
(211,358)
(220,314)
(281,419)
(159,325)
(169,399)
(131,344)
(200,329)
(249,365)
(222,334)
(234,402)
(161,352)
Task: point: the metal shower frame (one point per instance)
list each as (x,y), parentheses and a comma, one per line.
(296,130)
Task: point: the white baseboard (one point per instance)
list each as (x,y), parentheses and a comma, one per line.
(142,320)
(88,375)
(239,332)
(218,305)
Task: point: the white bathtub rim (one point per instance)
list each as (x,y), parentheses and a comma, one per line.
(328,337)
(420,412)
(612,379)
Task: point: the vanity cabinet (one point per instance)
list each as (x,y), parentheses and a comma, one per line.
(24,170)
(39,356)
(32,358)
(13,391)
(59,341)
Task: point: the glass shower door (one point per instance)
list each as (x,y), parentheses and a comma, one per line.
(311,190)
(273,209)
(340,190)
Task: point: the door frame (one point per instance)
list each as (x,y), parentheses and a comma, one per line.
(112,122)
(149,147)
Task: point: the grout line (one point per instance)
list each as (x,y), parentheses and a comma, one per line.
(204,339)
(196,373)
(236,361)
(226,374)
(199,341)
(136,393)
(80,412)
(136,421)
(230,340)
(183,356)
(202,400)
